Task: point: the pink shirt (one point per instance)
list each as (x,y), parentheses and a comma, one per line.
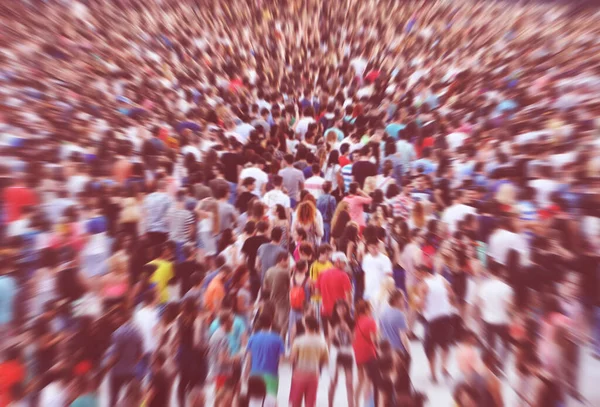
(355,209)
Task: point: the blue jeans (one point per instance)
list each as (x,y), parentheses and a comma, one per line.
(400,278)
(326,232)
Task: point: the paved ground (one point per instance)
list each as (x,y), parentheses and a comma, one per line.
(439,395)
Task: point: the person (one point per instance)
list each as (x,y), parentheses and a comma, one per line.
(310,219)
(243,199)
(146,319)
(326,204)
(393,327)
(160,384)
(127,348)
(363,168)
(309,355)
(220,357)
(255,170)
(164,273)
(264,351)
(435,299)
(314,184)
(495,299)
(180,224)
(356,200)
(276,196)
(292,178)
(277,284)
(191,351)
(156,208)
(341,335)
(268,253)
(12,373)
(215,290)
(333,284)
(376,266)
(365,352)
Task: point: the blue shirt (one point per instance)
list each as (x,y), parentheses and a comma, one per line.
(8,292)
(425,163)
(392,322)
(393,129)
(235,336)
(265,348)
(127,345)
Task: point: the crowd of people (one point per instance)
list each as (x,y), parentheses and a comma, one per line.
(196,193)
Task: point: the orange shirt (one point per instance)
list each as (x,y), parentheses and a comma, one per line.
(215,292)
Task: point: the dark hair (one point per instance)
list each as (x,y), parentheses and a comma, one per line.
(276,234)
(262,226)
(311,323)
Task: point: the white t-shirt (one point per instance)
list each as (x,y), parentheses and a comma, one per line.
(191,149)
(53,395)
(495,297)
(455,213)
(544,189)
(259,175)
(455,140)
(502,241)
(146,319)
(276,197)
(314,185)
(376,268)
(302,126)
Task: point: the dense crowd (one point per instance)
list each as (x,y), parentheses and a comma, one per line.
(195,193)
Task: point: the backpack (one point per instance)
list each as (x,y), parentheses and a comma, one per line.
(298,295)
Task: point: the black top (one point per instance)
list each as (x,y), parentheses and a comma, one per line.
(161,389)
(363,169)
(250,248)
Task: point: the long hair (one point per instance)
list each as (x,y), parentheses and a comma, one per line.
(418,215)
(212,206)
(342,206)
(333,159)
(306,213)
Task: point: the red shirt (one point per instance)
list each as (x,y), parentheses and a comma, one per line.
(15,199)
(344,160)
(364,347)
(11,373)
(334,284)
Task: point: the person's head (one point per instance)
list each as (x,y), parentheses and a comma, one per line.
(339,260)
(396,299)
(306,213)
(311,324)
(264,322)
(341,309)
(353,189)
(315,169)
(283,260)
(226,320)
(362,308)
(250,228)
(373,247)
(301,266)
(276,235)
(326,187)
(277,181)
(262,227)
(324,252)
(288,160)
(249,183)
(306,251)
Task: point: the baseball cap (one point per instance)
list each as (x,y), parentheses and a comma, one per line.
(339,256)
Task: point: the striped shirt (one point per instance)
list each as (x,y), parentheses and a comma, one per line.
(156,206)
(347,175)
(180,225)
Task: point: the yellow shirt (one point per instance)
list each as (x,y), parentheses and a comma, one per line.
(316,269)
(162,276)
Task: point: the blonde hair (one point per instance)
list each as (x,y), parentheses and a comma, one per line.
(370,185)
(212,206)
(342,206)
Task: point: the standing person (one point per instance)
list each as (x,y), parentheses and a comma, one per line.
(263,353)
(308,218)
(333,284)
(314,184)
(255,170)
(309,355)
(156,208)
(293,179)
(163,274)
(392,323)
(146,319)
(435,295)
(326,205)
(190,353)
(276,196)
(127,348)
(332,173)
(181,221)
(376,266)
(277,284)
(221,360)
(341,335)
(208,227)
(321,264)
(365,352)
(17,197)
(227,214)
(357,200)
(363,168)
(268,253)
(159,389)
(494,300)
